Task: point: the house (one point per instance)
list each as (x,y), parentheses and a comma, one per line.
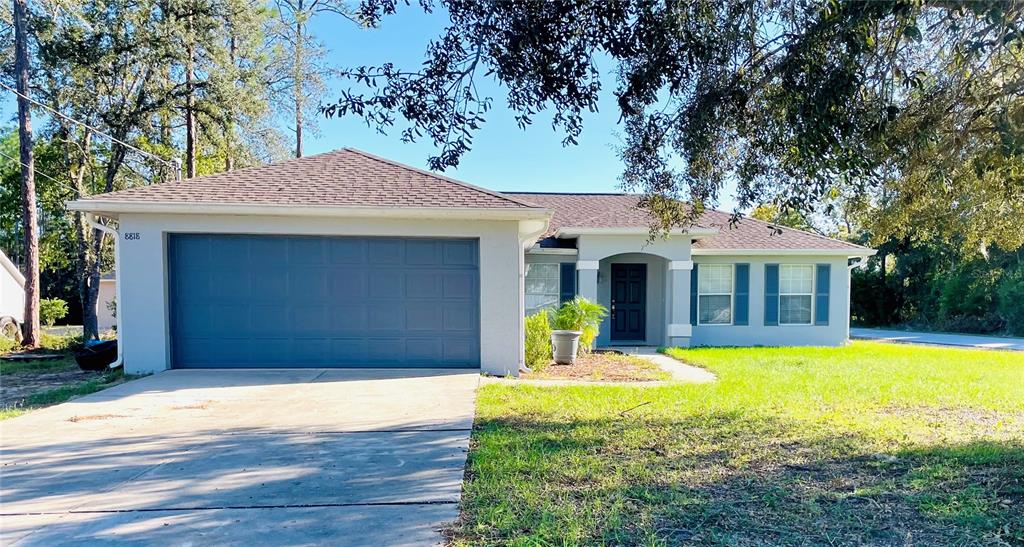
(12,290)
(106,302)
(346,259)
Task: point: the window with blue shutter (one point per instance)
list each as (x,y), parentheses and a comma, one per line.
(693,295)
(567,287)
(741,310)
(771,294)
(821,290)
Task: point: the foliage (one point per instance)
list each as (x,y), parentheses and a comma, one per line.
(1011,301)
(864,444)
(935,285)
(580,314)
(538,341)
(791,219)
(794,101)
(52,309)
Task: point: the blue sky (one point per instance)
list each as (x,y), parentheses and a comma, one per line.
(504,157)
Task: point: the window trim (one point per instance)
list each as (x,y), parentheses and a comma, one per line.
(558,285)
(814,280)
(731,294)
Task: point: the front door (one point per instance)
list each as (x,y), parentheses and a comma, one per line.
(629,302)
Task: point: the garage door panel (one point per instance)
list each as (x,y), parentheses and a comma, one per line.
(385,251)
(460,285)
(387,284)
(460,349)
(460,253)
(424,285)
(321,301)
(459,317)
(422,316)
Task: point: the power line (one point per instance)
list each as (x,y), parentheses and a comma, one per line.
(38,172)
(174,165)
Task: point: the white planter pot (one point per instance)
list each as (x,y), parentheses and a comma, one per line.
(564,345)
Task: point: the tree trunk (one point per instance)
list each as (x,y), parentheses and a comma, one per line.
(190,103)
(28,183)
(299,73)
(92,277)
(229,126)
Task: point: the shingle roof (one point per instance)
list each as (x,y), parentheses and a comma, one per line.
(342,178)
(620,211)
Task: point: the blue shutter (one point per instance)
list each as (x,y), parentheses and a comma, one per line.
(693,295)
(741,306)
(567,285)
(771,294)
(821,294)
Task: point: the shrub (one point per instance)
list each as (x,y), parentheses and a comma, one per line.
(582,315)
(1011,301)
(52,309)
(538,341)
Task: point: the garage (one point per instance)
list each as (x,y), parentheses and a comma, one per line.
(270,301)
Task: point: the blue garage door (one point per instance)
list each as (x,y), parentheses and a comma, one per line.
(293,301)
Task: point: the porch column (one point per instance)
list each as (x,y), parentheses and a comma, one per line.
(586,274)
(679,329)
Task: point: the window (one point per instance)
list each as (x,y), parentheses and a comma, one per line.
(541,287)
(796,294)
(714,294)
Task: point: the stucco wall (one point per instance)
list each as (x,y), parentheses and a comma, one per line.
(756,334)
(143,272)
(104,317)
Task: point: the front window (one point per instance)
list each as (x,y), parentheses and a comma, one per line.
(796,294)
(714,294)
(541,287)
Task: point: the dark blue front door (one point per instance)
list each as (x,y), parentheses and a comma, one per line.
(296,301)
(629,302)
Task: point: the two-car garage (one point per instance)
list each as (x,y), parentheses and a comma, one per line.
(258,301)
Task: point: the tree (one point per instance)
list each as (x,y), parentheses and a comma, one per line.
(303,73)
(791,100)
(32,330)
(110,65)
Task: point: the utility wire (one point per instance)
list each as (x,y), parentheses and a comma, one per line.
(175,167)
(38,172)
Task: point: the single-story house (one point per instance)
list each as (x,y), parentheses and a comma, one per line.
(106,302)
(346,259)
(12,290)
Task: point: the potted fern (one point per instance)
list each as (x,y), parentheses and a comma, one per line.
(576,324)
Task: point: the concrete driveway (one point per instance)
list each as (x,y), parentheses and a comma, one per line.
(242,457)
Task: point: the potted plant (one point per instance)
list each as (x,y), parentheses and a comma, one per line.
(576,325)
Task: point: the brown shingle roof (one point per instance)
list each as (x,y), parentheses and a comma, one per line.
(342,178)
(620,211)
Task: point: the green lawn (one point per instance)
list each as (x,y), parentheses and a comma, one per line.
(866,444)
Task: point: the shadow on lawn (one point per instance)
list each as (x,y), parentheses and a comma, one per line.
(734,478)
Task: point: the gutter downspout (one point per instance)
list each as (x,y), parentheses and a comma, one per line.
(849,294)
(92,220)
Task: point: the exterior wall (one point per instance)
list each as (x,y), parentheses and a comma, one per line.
(12,295)
(143,272)
(756,333)
(104,317)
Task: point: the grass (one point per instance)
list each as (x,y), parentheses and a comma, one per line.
(58,393)
(865,444)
